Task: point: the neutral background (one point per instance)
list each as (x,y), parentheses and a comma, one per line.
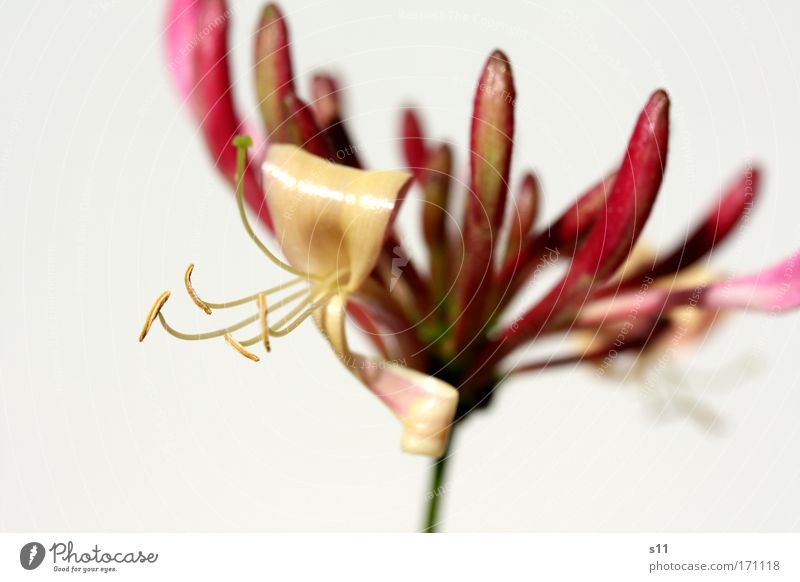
(107,194)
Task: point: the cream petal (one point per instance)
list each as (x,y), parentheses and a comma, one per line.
(329,217)
(425,405)
(333,219)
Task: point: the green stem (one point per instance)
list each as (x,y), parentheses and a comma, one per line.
(436,490)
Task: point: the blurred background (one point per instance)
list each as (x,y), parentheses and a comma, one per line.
(107,195)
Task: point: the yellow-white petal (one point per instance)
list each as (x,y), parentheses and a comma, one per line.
(425,405)
(329,217)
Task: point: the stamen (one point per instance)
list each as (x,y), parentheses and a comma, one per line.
(241,143)
(238,347)
(187,281)
(249,298)
(301,318)
(293,313)
(293,325)
(261,300)
(155,311)
(209,334)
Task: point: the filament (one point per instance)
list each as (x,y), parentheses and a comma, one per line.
(292,324)
(209,334)
(236,302)
(300,319)
(254,296)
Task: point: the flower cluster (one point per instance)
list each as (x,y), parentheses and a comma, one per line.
(443,329)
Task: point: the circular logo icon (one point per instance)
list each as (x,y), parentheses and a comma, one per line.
(31,555)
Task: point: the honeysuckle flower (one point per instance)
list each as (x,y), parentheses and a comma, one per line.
(331,222)
(449,321)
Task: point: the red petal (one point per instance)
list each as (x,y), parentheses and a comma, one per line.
(328,113)
(213,102)
(718,224)
(561,237)
(523,214)
(577,221)
(613,235)
(412,140)
(301,128)
(491,140)
(273,70)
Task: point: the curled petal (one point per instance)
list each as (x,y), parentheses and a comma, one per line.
(330,218)
(425,405)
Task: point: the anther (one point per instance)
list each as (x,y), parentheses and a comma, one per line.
(154,311)
(239,348)
(187,280)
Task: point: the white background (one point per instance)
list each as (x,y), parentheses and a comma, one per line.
(107,194)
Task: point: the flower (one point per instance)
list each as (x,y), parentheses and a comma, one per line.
(331,222)
(449,321)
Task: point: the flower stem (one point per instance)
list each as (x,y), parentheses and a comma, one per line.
(436,491)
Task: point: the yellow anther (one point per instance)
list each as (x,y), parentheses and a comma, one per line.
(239,348)
(187,280)
(154,311)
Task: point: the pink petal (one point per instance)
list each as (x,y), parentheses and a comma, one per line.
(181,40)
(774,289)
(425,405)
